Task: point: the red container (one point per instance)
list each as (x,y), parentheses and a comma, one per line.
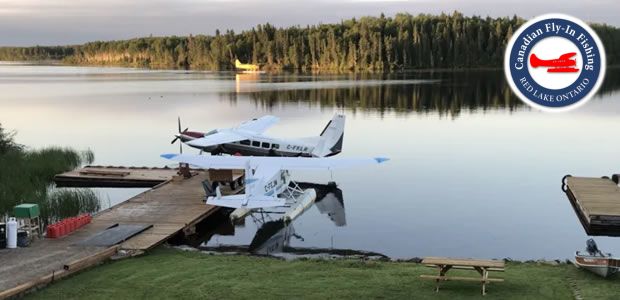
(55,231)
(72,224)
(65,226)
(84,220)
(62,228)
(52,231)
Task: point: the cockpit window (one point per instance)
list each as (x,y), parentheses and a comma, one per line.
(211,132)
(245,142)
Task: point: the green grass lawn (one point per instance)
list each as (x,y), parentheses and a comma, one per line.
(170,273)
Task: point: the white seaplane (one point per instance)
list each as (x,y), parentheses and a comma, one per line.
(248,139)
(267,179)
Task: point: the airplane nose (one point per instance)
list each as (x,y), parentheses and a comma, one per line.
(177,137)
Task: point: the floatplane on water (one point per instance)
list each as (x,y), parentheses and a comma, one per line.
(249,139)
(267,179)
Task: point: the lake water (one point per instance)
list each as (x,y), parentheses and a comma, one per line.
(474,173)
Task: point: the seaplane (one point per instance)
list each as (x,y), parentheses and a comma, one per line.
(267,179)
(564,64)
(249,139)
(246,67)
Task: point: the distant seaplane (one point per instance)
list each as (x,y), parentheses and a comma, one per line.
(247,68)
(564,64)
(248,139)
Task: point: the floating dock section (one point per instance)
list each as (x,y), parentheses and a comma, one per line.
(109,176)
(596,202)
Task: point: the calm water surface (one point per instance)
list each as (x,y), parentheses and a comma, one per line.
(474,173)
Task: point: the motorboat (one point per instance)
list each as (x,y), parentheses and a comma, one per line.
(595,261)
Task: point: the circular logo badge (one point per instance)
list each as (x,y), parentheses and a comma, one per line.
(555,62)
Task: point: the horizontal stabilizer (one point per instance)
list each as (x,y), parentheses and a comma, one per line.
(237,201)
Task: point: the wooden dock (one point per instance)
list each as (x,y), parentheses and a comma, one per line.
(596,202)
(110,176)
(173,207)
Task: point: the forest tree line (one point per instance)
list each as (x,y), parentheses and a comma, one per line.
(380,43)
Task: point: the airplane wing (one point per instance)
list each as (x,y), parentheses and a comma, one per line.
(568,55)
(216,139)
(283,163)
(259,125)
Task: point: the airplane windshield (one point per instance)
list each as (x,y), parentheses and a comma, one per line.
(211,132)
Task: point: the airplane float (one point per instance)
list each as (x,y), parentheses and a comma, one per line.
(273,236)
(564,64)
(266,178)
(248,139)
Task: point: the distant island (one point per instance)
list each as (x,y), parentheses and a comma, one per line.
(380,43)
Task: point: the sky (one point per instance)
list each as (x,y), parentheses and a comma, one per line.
(64,22)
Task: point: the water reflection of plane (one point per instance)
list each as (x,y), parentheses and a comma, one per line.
(274,236)
(246,77)
(331,201)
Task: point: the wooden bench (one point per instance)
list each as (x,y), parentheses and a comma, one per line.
(444,264)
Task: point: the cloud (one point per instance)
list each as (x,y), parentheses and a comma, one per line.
(54,22)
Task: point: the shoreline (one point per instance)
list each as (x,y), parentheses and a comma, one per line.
(173,273)
(267,72)
(291,253)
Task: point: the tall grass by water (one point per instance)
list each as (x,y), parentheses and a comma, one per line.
(26,176)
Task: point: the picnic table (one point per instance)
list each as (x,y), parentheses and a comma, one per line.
(445,264)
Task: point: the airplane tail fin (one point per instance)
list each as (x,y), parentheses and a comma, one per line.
(330,141)
(243,201)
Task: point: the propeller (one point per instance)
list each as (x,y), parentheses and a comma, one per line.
(177,136)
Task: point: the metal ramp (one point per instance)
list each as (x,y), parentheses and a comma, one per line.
(115,234)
